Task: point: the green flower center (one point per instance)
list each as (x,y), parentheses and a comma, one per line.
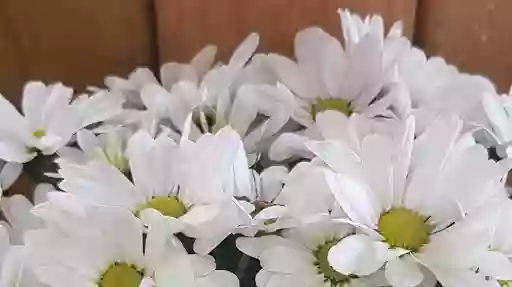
(331,276)
(121,274)
(167,205)
(38,133)
(404,228)
(505,283)
(321,105)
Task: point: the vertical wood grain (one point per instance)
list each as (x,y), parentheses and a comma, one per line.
(184,27)
(76,42)
(473,35)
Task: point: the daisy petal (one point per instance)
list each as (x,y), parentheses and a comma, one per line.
(355,254)
(403,272)
(9,174)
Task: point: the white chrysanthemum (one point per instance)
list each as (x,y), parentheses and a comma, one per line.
(191,182)
(104,246)
(257,111)
(298,257)
(109,147)
(427,184)
(358,79)
(439,89)
(49,119)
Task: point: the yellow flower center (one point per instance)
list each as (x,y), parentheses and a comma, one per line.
(167,205)
(340,105)
(505,283)
(121,274)
(331,276)
(38,133)
(404,228)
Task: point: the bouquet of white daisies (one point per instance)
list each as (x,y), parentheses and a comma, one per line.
(360,162)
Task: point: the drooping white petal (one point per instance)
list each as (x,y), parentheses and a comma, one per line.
(9,174)
(203,60)
(403,272)
(245,50)
(35,95)
(355,254)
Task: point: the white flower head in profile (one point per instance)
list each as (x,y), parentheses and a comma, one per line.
(409,196)
(103,246)
(299,256)
(49,120)
(109,147)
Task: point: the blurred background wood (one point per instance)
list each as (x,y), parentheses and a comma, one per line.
(184,27)
(473,35)
(76,42)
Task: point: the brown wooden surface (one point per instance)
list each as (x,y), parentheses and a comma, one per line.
(472,34)
(184,27)
(76,42)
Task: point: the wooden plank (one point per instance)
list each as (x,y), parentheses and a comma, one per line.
(474,36)
(184,27)
(76,42)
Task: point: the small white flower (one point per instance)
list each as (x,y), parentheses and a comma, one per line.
(103,246)
(109,147)
(428,184)
(299,256)
(49,119)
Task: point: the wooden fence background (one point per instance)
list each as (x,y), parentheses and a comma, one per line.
(80,42)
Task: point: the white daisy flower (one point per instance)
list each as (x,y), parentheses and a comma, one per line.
(427,184)
(439,89)
(108,147)
(49,119)
(103,246)
(298,257)
(256,110)
(187,182)
(357,79)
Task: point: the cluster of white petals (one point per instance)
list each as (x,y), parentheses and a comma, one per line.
(358,162)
